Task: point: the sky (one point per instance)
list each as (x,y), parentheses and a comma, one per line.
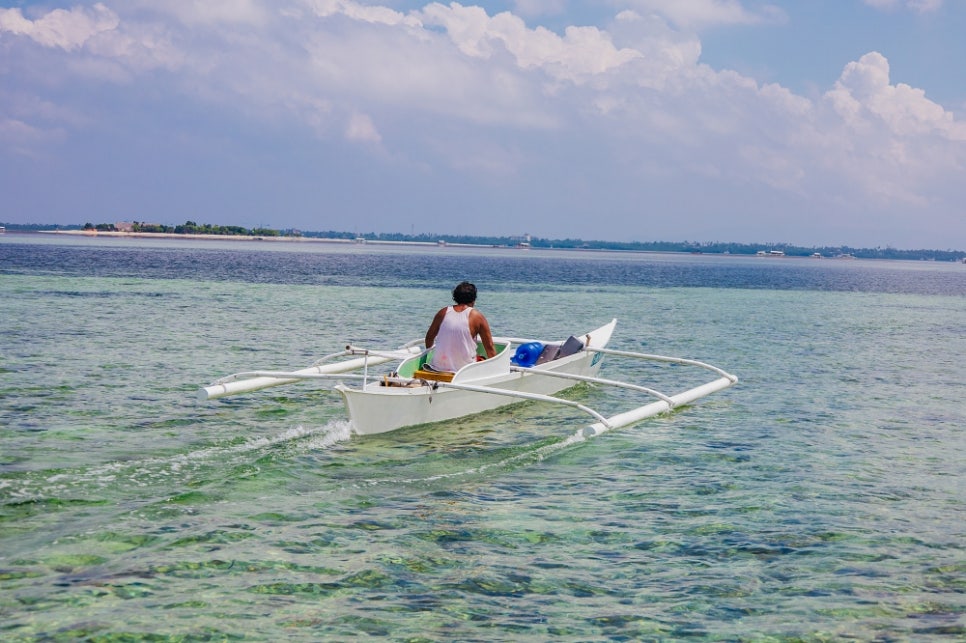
(807,122)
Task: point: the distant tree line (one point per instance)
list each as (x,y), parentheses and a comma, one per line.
(190,227)
(101,227)
(693,247)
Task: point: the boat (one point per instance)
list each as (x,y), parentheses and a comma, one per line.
(522,370)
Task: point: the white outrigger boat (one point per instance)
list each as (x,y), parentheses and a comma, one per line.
(522,369)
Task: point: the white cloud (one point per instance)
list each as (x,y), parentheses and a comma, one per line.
(580,53)
(863,96)
(208,12)
(665,54)
(67,30)
(891,140)
(101,46)
(921,6)
(365,13)
(30,126)
(536,8)
(361,128)
(700,14)
(24,138)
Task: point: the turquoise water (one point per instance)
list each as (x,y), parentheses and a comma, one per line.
(819,499)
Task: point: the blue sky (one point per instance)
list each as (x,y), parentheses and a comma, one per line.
(827,122)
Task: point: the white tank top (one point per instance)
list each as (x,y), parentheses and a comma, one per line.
(454,347)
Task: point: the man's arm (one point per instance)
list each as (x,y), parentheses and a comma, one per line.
(480,327)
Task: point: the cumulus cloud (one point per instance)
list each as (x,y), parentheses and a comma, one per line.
(66,29)
(580,53)
(890,139)
(373,14)
(863,93)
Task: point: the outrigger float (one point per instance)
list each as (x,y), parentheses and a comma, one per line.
(522,369)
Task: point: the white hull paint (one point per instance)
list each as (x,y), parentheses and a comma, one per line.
(378,409)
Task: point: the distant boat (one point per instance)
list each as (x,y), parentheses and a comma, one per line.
(771,253)
(816,255)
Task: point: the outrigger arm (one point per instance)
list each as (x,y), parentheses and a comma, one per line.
(666,403)
(537,397)
(597,380)
(256,380)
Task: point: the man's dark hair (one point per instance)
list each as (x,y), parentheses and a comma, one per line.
(465,293)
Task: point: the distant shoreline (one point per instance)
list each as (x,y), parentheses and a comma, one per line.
(724,249)
(269,238)
(175,235)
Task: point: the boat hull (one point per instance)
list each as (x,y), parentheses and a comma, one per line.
(414,394)
(375,409)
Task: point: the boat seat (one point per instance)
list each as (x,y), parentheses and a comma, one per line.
(435,376)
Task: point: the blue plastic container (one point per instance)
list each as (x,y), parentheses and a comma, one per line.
(527,354)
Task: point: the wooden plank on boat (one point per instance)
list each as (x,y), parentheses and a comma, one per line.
(434,376)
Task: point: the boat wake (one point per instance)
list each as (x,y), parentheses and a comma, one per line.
(328,436)
(530,455)
(182,468)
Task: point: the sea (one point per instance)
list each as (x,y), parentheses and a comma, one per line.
(821,498)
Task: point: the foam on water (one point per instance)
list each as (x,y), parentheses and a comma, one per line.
(179,467)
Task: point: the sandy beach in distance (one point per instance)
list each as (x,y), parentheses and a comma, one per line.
(239,237)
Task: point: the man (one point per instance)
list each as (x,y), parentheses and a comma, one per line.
(455,330)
